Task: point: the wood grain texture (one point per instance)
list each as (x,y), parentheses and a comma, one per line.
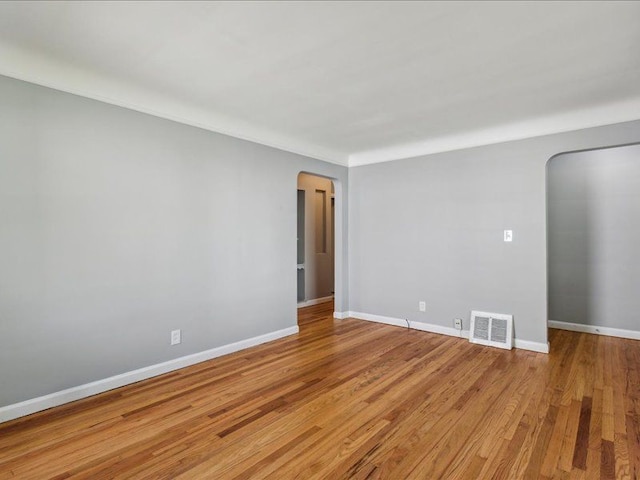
(313,313)
(353,399)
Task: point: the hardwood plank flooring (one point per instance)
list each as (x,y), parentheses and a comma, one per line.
(321,311)
(354,399)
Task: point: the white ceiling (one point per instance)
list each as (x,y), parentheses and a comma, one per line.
(348,82)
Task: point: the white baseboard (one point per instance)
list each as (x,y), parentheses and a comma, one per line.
(595,329)
(533,346)
(401,322)
(430,327)
(398,322)
(340,315)
(314,301)
(55,399)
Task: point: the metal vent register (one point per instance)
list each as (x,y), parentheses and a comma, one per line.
(492,329)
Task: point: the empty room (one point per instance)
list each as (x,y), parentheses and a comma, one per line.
(319,240)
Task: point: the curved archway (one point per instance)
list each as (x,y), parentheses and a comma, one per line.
(593,233)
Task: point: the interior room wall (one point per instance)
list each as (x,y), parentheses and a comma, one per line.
(594,237)
(117,227)
(319,257)
(431,228)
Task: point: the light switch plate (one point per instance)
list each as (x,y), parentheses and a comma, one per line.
(508,235)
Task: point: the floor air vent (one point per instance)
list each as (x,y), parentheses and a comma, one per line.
(493,329)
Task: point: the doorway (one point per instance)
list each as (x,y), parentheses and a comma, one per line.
(593,241)
(315,247)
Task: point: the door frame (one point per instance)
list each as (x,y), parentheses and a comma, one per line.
(339,239)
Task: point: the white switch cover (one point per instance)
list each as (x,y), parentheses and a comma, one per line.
(422,306)
(508,235)
(175,337)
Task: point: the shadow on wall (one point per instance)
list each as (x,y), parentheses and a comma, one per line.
(593,225)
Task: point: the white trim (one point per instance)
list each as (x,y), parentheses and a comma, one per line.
(340,315)
(42,70)
(430,327)
(33,405)
(397,322)
(314,301)
(533,346)
(608,114)
(401,322)
(595,329)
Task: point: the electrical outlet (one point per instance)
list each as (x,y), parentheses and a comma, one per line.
(422,306)
(457,323)
(176,337)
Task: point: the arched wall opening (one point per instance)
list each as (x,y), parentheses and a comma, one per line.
(593,240)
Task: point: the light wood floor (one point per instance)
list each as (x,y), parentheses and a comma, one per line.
(353,399)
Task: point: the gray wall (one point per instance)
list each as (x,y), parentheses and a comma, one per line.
(430,228)
(594,237)
(318,265)
(117,227)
